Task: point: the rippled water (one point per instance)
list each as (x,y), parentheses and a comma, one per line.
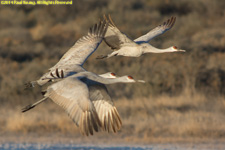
(35,146)
(25,146)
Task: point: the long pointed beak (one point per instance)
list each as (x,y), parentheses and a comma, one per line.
(181,50)
(142,81)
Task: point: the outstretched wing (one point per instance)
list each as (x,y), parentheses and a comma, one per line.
(114,38)
(107,112)
(73,59)
(157,31)
(85,46)
(73,96)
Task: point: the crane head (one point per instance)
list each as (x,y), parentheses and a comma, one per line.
(175,49)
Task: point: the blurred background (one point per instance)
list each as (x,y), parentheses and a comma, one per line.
(183,98)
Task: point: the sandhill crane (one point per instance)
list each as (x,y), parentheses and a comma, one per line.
(80,97)
(72,61)
(124,46)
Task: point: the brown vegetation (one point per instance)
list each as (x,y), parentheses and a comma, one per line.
(145,120)
(184,93)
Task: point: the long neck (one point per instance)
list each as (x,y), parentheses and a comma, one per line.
(97,78)
(107,75)
(111,80)
(150,49)
(108,80)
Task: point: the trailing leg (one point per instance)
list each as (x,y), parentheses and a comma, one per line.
(28,107)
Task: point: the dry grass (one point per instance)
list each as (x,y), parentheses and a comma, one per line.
(184,93)
(181,116)
(40,120)
(150,119)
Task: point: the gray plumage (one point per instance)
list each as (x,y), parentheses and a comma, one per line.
(72,61)
(124,46)
(156,31)
(85,99)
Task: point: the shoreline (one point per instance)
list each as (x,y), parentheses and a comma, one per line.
(106,140)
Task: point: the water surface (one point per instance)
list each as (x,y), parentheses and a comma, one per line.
(173,146)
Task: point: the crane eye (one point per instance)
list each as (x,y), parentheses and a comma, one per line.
(174,47)
(113,74)
(130,77)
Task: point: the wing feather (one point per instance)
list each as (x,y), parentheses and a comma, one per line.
(114,38)
(86,45)
(105,108)
(112,122)
(73,96)
(118,120)
(74,58)
(157,31)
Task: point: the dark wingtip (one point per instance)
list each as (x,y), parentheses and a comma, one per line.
(111,21)
(99,28)
(173,20)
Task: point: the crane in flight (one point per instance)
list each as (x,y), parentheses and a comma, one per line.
(72,61)
(82,96)
(79,95)
(124,46)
